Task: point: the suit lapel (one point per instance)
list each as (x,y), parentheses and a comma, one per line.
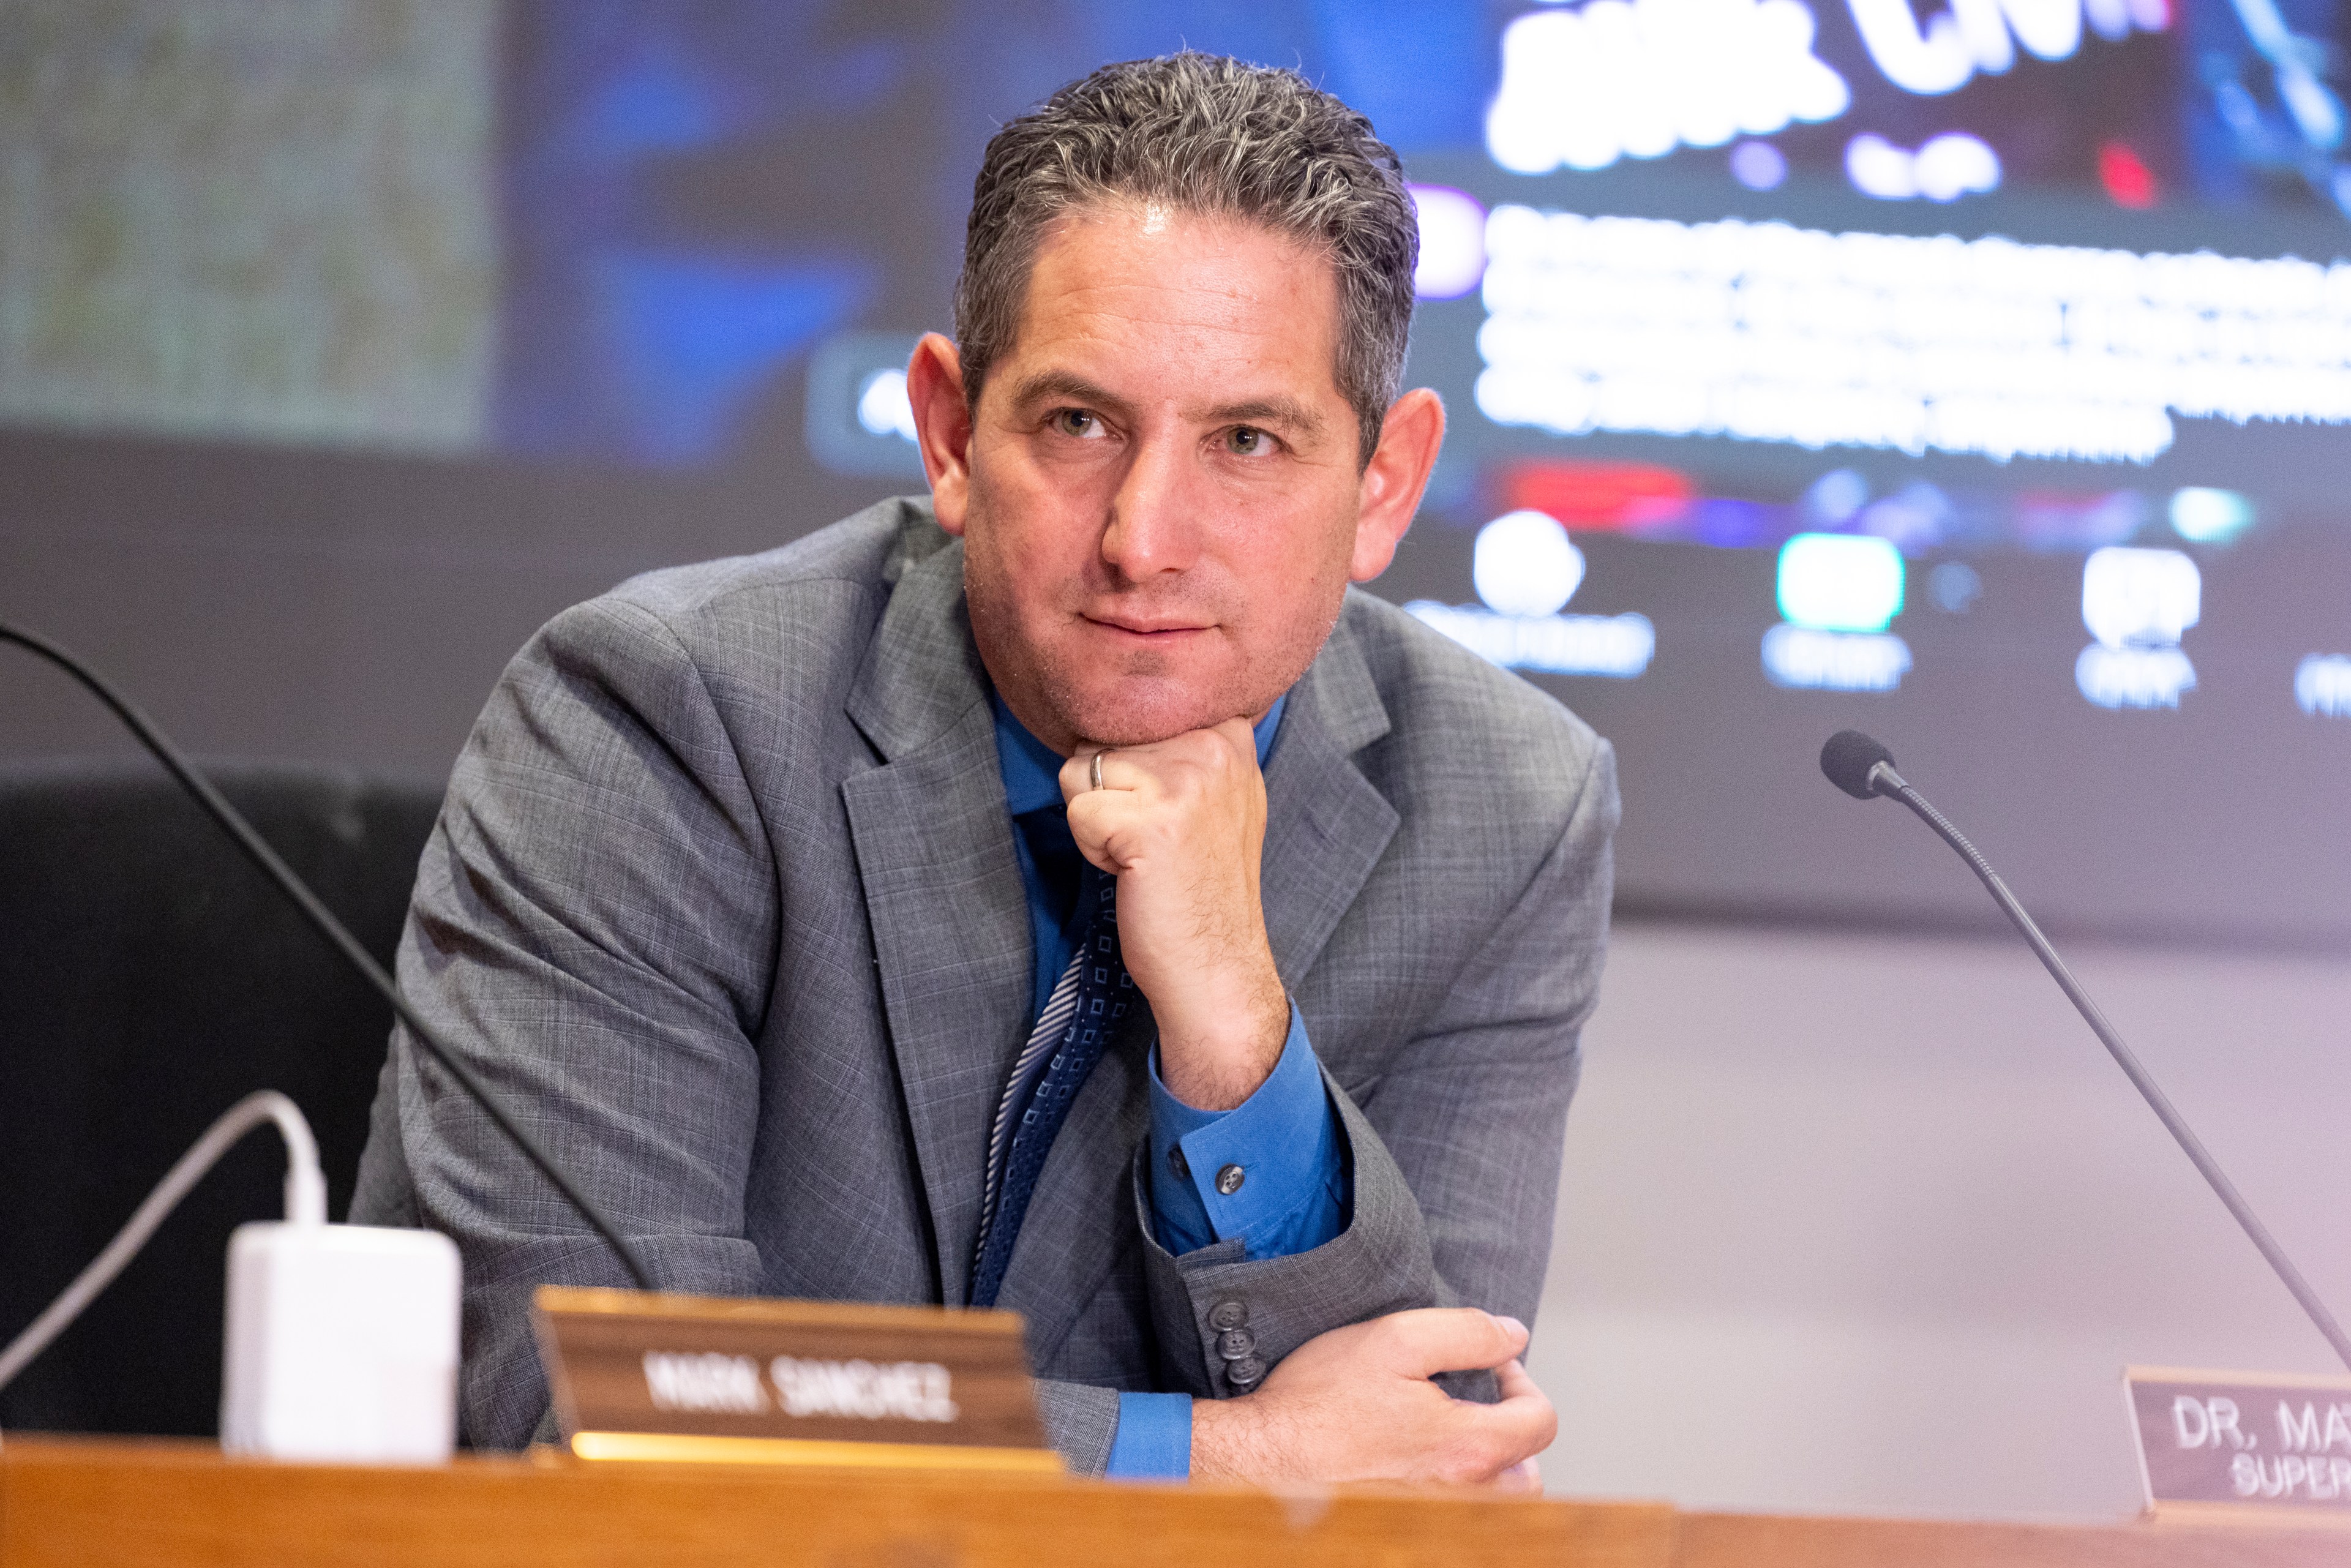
(943,891)
(1326,824)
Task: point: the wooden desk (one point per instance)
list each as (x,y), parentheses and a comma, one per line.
(165,1505)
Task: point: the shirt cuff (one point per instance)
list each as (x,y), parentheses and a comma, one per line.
(1277,1152)
(1154,1439)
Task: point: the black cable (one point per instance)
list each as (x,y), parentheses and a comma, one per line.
(256,848)
(1885,781)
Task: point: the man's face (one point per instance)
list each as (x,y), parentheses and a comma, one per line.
(1159,491)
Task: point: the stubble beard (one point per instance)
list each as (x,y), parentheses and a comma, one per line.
(1148,700)
(1144,701)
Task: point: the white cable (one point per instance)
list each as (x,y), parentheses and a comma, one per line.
(306,1204)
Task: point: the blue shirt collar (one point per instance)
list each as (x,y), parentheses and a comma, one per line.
(1032,769)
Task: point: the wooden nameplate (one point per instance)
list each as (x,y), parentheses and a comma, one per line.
(713,1380)
(2222,1446)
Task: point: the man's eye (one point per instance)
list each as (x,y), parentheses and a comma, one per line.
(1246,441)
(1076,422)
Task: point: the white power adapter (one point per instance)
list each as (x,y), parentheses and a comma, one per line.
(342,1339)
(341,1344)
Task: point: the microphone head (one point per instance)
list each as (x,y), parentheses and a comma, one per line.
(1847,759)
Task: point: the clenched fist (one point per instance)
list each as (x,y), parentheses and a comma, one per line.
(1181,823)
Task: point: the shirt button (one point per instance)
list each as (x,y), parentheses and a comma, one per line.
(1177,1163)
(1236,1344)
(1228,1315)
(1229,1179)
(1246,1372)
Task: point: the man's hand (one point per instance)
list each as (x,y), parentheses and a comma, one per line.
(1181,824)
(1355,1405)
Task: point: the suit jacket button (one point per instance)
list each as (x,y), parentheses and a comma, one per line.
(1246,1372)
(1228,1315)
(1178,1164)
(1229,1179)
(1236,1344)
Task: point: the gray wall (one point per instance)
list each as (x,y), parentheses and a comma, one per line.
(1873,1224)
(329,606)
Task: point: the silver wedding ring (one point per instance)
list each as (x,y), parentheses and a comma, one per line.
(1093,771)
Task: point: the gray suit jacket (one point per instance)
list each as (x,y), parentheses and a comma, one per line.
(723,901)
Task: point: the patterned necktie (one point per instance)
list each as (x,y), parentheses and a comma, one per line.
(1094,994)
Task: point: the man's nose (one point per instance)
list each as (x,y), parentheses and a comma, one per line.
(1154,525)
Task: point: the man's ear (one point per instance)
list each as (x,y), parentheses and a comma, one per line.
(1388,494)
(942,426)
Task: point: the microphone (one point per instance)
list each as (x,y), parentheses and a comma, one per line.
(256,848)
(1851,760)
(1863,768)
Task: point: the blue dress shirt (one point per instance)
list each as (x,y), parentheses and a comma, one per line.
(1284,1137)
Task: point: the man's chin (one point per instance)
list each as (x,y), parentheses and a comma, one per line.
(1132,716)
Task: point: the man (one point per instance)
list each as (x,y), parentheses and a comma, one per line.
(1068,894)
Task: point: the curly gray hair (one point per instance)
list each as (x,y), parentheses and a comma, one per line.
(1210,135)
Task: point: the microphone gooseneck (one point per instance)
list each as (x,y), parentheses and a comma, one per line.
(1850,750)
(256,848)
